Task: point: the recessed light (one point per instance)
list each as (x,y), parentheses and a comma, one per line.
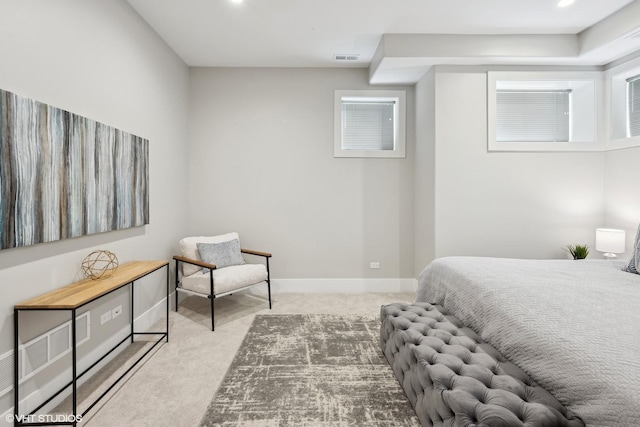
(237,1)
(565,3)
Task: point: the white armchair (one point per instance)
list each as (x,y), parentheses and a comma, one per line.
(213,266)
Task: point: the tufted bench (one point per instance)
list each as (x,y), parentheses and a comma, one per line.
(453,378)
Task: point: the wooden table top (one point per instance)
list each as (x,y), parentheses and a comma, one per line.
(87,290)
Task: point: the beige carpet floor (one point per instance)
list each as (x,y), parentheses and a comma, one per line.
(174,385)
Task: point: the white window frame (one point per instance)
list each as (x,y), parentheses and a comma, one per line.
(635,90)
(619,104)
(587,84)
(398,96)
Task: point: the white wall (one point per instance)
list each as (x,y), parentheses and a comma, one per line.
(518,205)
(261,144)
(622,166)
(622,192)
(97,59)
(424,173)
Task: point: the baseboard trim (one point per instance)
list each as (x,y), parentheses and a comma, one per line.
(358,285)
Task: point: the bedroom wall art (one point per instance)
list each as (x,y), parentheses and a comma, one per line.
(63,175)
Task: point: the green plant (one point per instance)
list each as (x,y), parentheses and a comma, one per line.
(578,251)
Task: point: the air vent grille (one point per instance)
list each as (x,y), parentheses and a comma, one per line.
(6,372)
(342,57)
(60,342)
(635,34)
(42,351)
(36,355)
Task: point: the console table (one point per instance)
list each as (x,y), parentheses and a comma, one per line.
(71,298)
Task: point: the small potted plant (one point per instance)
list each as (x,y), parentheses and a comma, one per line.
(578,251)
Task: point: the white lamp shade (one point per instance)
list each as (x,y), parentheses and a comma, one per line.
(610,240)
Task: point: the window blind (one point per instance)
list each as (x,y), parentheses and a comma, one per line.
(633,95)
(368,125)
(533,116)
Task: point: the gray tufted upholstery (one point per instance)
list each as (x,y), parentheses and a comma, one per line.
(452,378)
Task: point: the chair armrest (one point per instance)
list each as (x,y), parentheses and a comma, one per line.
(195,262)
(249,251)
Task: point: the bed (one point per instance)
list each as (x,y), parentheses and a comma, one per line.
(573,326)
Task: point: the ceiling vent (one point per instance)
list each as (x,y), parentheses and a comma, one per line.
(635,34)
(342,57)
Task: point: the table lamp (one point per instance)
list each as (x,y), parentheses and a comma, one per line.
(610,241)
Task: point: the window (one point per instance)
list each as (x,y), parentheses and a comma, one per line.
(542,111)
(369,123)
(624,117)
(633,109)
(533,116)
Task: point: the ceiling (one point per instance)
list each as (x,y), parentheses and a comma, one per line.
(397,39)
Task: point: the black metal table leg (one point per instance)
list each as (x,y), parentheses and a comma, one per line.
(131,312)
(16,374)
(74,367)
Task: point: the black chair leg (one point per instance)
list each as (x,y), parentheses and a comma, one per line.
(269,283)
(212,313)
(176,288)
(211,297)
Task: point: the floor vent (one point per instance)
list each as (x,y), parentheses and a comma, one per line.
(42,351)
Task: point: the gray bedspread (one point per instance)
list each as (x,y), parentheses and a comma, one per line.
(573,326)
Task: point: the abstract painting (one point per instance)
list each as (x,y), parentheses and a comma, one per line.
(63,175)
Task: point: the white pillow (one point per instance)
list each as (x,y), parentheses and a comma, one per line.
(189,249)
(637,251)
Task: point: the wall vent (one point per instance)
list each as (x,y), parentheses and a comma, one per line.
(342,57)
(42,351)
(59,342)
(36,355)
(6,372)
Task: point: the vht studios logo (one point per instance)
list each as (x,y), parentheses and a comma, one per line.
(44,418)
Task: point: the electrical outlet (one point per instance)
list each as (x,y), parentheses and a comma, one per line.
(116,312)
(374,265)
(105,317)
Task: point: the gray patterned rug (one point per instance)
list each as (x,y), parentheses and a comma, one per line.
(310,370)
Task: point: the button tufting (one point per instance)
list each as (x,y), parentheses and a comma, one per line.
(468,369)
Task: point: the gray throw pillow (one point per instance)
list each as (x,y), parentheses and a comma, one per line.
(634,262)
(222,254)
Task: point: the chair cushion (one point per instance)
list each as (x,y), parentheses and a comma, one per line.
(189,249)
(222,254)
(226,279)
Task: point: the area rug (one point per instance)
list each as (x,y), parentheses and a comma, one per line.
(310,370)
